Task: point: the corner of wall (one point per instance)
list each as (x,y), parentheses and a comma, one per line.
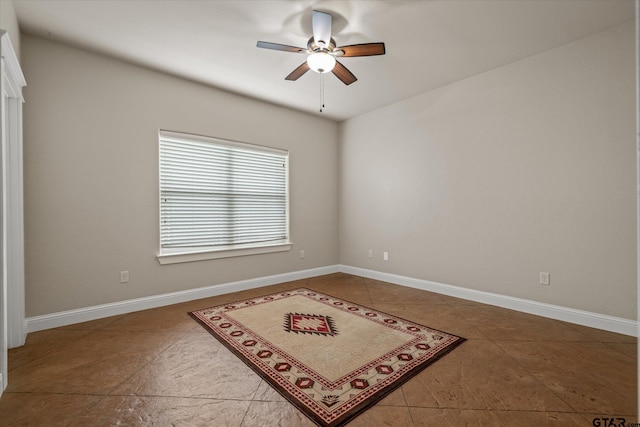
(9,23)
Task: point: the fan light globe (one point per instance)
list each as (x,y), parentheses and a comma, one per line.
(321,62)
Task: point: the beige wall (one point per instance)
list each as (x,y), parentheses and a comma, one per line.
(486,182)
(483,184)
(9,23)
(91,178)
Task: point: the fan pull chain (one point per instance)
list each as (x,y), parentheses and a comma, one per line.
(321,91)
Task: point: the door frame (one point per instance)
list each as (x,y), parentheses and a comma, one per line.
(12,295)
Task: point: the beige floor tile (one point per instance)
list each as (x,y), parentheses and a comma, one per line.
(270,414)
(196,365)
(339,283)
(162,411)
(172,319)
(337,280)
(395,398)
(266,393)
(93,324)
(480,375)
(35,409)
(387,293)
(392,416)
(502,324)
(248,294)
(444,417)
(95,364)
(266,290)
(588,376)
(288,286)
(628,349)
(39,344)
(454,301)
(603,336)
(198,304)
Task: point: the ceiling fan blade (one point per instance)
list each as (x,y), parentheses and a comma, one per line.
(283,47)
(341,72)
(365,49)
(321,24)
(298,72)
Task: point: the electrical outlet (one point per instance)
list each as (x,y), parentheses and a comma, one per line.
(370,253)
(301,253)
(124,277)
(385,256)
(545,278)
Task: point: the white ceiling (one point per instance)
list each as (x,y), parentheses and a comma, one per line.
(429,43)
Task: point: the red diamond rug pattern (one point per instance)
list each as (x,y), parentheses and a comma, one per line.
(330,358)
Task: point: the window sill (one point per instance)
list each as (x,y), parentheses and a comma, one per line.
(181,255)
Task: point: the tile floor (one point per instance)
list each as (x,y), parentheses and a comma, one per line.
(159,367)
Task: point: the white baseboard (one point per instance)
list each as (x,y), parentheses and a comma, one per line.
(64,318)
(580,317)
(571,315)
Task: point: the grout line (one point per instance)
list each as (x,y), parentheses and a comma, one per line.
(517,362)
(245,413)
(149,363)
(406,405)
(366,286)
(87,410)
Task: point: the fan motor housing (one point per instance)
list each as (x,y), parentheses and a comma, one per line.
(330,48)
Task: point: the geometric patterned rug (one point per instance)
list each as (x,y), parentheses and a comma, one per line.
(331,358)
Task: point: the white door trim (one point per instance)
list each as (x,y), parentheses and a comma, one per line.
(12,309)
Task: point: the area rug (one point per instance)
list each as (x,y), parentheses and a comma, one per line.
(330,358)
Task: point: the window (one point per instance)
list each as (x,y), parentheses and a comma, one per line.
(221,198)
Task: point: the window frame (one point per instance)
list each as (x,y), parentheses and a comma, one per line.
(190,254)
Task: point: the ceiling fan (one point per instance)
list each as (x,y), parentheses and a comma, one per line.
(322,51)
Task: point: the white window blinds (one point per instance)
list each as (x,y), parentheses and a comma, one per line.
(221,194)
